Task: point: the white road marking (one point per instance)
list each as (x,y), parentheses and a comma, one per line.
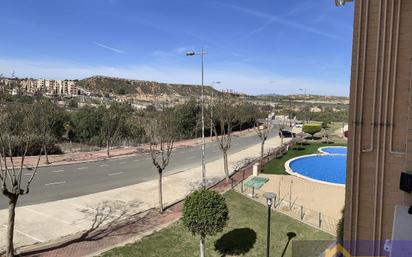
(55,183)
(28,174)
(83,168)
(57,171)
(148,159)
(104,165)
(26,235)
(116,173)
(136,160)
(123,162)
(192,157)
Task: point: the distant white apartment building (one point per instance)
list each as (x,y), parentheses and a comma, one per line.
(48,87)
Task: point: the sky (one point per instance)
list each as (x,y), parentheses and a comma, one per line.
(252,46)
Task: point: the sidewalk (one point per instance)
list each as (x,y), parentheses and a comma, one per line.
(51,221)
(96,242)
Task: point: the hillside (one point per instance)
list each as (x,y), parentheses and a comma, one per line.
(108,85)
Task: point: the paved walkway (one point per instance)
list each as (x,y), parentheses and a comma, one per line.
(313,203)
(51,221)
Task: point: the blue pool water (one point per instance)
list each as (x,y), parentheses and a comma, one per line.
(328,168)
(335,150)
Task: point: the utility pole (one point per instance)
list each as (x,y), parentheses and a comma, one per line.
(211,117)
(202,53)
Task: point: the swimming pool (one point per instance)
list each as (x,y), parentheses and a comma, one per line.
(333,149)
(329,168)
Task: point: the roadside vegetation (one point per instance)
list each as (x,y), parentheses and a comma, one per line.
(244,235)
(119,124)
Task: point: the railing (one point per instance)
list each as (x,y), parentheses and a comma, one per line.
(294,210)
(290,208)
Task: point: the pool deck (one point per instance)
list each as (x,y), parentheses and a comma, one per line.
(324,198)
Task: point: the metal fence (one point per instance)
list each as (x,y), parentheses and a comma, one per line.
(294,210)
(288,207)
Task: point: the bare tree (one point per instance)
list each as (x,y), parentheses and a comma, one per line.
(263,128)
(225,119)
(283,124)
(45,119)
(161,134)
(114,119)
(17,136)
(112,122)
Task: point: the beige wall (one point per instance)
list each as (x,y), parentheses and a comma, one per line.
(379,112)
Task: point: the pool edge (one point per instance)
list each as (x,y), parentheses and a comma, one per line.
(289,170)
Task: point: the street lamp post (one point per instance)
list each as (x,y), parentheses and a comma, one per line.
(270,199)
(202,53)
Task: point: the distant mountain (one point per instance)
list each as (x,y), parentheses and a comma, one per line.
(272,94)
(100,85)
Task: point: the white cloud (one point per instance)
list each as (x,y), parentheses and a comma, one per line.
(109,48)
(273,18)
(242,79)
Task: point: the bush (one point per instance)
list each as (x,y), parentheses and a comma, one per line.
(311,128)
(205,213)
(35,144)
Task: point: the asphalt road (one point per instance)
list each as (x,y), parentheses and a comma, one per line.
(66,181)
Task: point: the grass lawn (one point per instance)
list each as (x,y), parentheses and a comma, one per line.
(277,166)
(245,235)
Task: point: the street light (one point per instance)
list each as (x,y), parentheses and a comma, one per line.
(270,199)
(211,109)
(202,53)
(342,2)
(290,236)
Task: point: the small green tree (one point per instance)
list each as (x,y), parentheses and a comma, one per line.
(205,213)
(311,128)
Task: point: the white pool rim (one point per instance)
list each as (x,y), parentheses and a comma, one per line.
(323,147)
(289,170)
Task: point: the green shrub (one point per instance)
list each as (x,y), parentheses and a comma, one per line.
(311,128)
(205,213)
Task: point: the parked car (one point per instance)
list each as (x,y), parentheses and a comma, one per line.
(286,133)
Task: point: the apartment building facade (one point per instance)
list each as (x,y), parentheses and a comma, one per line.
(48,87)
(380,124)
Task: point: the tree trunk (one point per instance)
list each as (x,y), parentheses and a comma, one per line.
(10,228)
(262,149)
(160,191)
(45,154)
(202,246)
(108,148)
(226,165)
